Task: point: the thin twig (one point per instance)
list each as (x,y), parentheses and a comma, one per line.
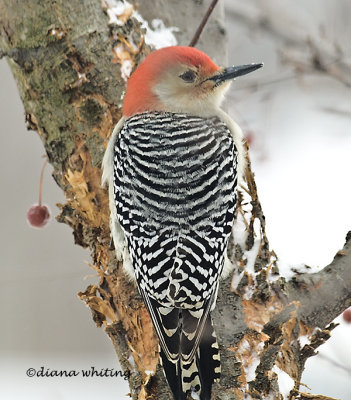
(41,179)
(196,37)
(335,363)
(307,70)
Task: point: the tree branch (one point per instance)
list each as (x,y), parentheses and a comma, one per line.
(326,294)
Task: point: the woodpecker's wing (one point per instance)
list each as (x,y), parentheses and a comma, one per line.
(174,187)
(166,323)
(108,179)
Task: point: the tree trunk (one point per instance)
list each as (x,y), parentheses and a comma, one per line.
(69,59)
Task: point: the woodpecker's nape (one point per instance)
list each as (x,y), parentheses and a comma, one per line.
(172,166)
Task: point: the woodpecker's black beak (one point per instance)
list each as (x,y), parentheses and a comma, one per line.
(234,72)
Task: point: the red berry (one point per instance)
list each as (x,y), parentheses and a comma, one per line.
(347,315)
(250,137)
(38,216)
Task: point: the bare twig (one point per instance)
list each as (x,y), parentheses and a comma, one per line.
(312,55)
(338,111)
(199,30)
(308,396)
(335,363)
(41,179)
(301,68)
(316,63)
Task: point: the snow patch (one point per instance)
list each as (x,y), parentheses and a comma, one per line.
(251,369)
(126,63)
(287,271)
(251,254)
(250,362)
(118,11)
(270,396)
(236,280)
(304,340)
(286,383)
(147,372)
(240,235)
(132,362)
(158,35)
(249,292)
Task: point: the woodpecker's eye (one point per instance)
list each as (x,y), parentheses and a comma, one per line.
(188,76)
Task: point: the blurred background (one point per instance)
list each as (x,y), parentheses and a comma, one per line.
(296,113)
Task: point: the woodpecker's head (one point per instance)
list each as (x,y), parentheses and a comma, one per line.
(179,79)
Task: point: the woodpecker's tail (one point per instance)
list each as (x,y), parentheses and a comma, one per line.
(199,373)
(188,348)
(203,368)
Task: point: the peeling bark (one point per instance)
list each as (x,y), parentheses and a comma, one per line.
(68,73)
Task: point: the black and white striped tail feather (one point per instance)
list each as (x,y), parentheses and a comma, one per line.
(198,374)
(200,360)
(188,348)
(208,360)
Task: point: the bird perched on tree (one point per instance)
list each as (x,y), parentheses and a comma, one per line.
(172,166)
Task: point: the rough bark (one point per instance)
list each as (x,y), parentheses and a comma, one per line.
(63,57)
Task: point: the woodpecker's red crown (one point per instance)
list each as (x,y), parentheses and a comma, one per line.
(140,95)
(179,79)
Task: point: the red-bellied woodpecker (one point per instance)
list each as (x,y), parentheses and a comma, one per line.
(172,166)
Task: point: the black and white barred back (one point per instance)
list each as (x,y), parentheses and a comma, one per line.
(175,192)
